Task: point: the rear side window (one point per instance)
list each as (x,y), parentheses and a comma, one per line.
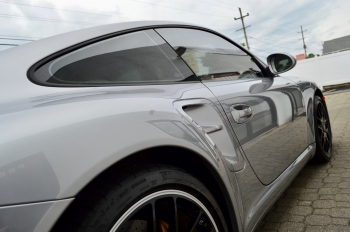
(132,58)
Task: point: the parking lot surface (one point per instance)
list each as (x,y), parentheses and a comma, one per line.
(319,198)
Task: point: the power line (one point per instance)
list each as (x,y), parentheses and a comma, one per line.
(18,39)
(261,16)
(265,17)
(238,38)
(255,15)
(44,19)
(251,15)
(288,41)
(232,10)
(214,5)
(277,45)
(221,25)
(21,36)
(275,21)
(257,25)
(274,29)
(226,3)
(197,12)
(73,11)
(268,43)
(75,22)
(261,50)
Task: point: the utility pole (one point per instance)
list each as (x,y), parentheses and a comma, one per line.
(243,27)
(302,34)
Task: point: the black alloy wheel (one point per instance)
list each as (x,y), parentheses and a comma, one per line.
(323,131)
(152,198)
(166,211)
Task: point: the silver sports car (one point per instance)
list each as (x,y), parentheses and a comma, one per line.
(150,126)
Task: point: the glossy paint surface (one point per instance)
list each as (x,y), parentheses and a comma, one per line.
(47,136)
(35,217)
(276,133)
(54,141)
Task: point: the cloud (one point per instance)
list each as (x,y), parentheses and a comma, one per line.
(274,24)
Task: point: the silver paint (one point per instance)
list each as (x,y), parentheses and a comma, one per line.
(56,140)
(35,217)
(278,113)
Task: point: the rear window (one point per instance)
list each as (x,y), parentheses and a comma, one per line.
(139,57)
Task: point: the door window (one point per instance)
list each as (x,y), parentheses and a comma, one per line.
(210,56)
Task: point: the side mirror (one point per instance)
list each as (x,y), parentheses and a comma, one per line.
(280,63)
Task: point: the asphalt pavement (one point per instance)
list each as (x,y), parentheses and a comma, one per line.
(319,198)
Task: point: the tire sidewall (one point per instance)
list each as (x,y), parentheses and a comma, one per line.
(320,153)
(131,191)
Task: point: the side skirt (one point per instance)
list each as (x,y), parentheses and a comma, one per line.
(273,191)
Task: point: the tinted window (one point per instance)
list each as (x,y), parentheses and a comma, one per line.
(210,56)
(132,58)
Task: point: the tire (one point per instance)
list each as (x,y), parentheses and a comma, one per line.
(142,200)
(323,131)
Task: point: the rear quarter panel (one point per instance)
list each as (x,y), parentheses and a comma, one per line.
(51,146)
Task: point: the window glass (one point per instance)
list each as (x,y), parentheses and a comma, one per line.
(136,57)
(210,56)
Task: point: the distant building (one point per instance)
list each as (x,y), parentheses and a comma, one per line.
(336,45)
(300,56)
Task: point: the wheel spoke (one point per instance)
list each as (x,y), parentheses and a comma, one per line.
(327,141)
(322,140)
(154,217)
(323,129)
(320,127)
(322,110)
(169,210)
(327,146)
(319,113)
(176,217)
(324,144)
(197,220)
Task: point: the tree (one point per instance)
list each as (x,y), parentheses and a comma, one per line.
(243,44)
(311,55)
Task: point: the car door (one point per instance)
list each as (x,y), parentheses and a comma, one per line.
(267,114)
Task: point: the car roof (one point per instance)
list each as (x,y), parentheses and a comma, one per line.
(15,62)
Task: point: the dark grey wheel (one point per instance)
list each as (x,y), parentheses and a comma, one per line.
(167,210)
(323,131)
(154,198)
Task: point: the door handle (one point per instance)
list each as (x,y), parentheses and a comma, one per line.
(241,113)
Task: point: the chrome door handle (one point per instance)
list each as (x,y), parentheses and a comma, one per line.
(241,113)
(212,128)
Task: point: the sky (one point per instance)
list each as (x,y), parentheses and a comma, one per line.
(274,24)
